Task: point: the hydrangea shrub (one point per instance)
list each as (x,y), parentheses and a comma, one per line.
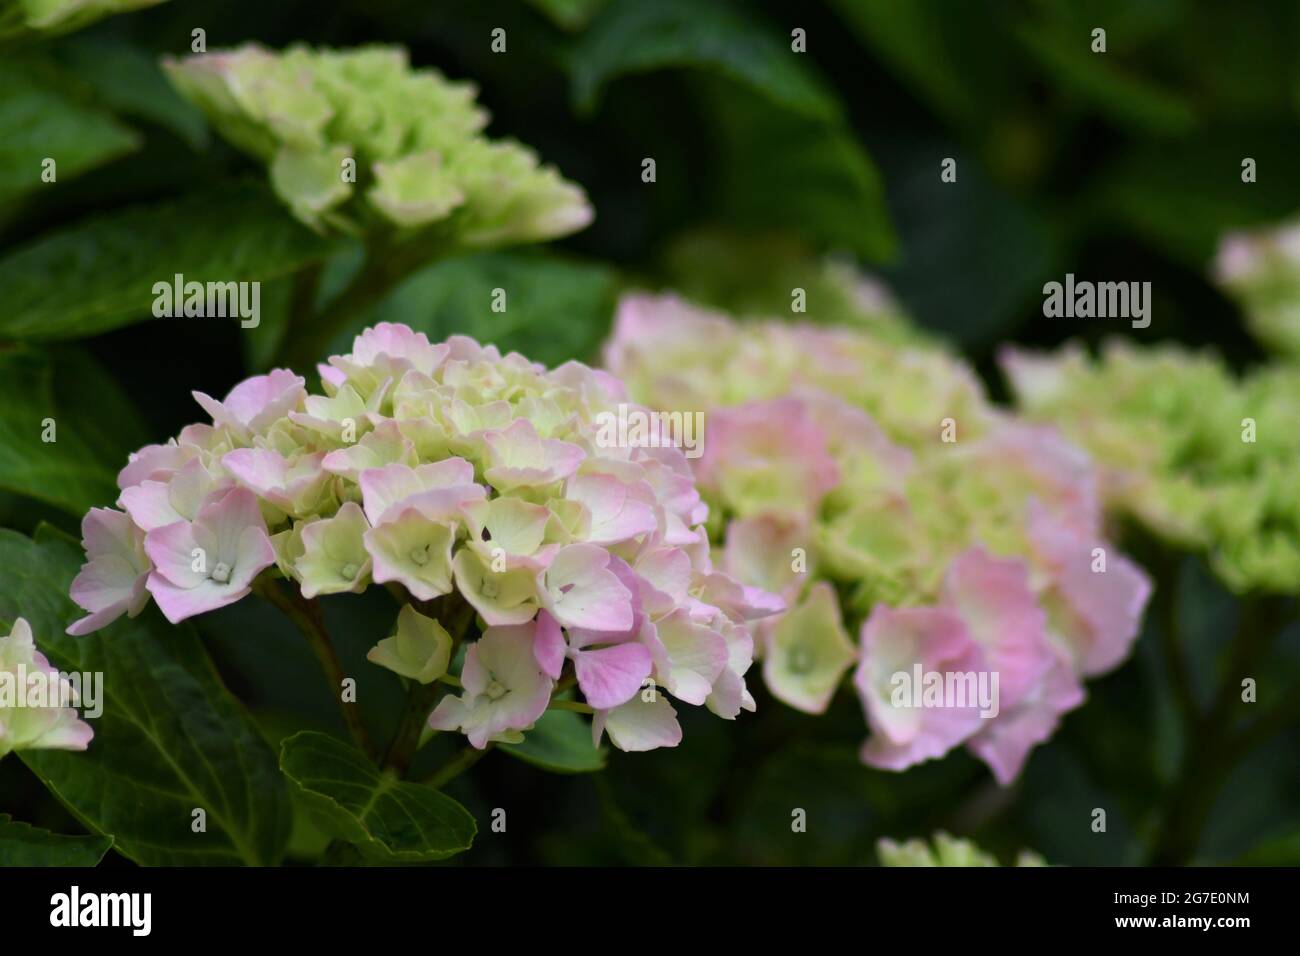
(909,524)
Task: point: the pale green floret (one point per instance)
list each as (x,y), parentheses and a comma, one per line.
(419,650)
(334,558)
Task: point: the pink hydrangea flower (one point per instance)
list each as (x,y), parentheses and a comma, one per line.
(449,471)
(55,725)
(210,562)
(505,689)
(112,583)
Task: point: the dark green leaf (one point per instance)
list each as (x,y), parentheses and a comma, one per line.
(952,54)
(24,845)
(781,170)
(130,81)
(40,120)
(1097,80)
(390,821)
(171,739)
(555,309)
(1182,196)
(561,743)
(631,36)
(989,250)
(76,470)
(100,274)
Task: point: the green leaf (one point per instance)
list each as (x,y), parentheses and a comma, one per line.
(171,739)
(128,80)
(560,743)
(100,274)
(40,119)
(24,845)
(93,426)
(951,54)
(1182,196)
(1099,81)
(631,36)
(992,250)
(555,309)
(389,820)
(780,170)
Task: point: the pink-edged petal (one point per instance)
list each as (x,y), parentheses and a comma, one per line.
(548,646)
(640,724)
(609,676)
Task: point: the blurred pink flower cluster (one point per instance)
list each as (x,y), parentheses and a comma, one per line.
(949,554)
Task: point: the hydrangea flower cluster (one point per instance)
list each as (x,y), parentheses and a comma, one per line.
(1261,270)
(1202,458)
(947,850)
(59,16)
(437,470)
(356,139)
(49,722)
(879,493)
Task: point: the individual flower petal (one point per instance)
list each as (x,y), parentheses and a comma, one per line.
(1001,612)
(1005,742)
(646,722)
(619,512)
(580,590)
(1096,597)
(808,652)
(610,676)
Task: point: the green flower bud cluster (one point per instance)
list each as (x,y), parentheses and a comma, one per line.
(1204,459)
(358,141)
(1261,270)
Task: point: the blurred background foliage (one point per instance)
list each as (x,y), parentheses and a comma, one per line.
(1119,166)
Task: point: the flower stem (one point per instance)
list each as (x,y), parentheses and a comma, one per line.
(455,614)
(306,616)
(1215,746)
(457,765)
